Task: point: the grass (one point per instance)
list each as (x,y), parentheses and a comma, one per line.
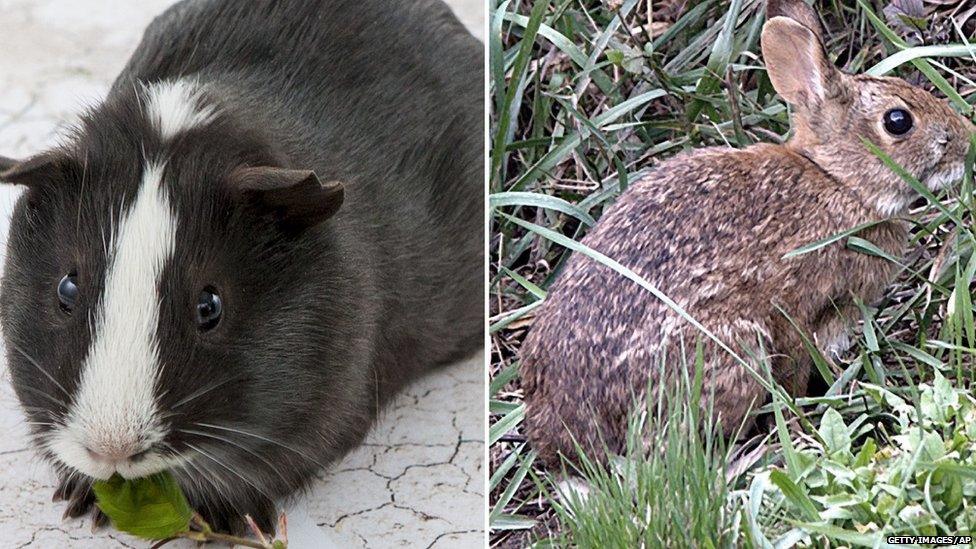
(586,97)
(675,495)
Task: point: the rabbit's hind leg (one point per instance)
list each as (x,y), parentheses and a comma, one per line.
(731,390)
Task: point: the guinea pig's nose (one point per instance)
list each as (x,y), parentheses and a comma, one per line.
(117,455)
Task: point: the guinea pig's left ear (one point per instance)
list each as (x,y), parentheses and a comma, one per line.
(296,198)
(43,168)
(7,163)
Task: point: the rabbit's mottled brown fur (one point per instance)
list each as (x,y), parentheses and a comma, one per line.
(711,228)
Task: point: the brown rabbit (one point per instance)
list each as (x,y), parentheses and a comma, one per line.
(710,229)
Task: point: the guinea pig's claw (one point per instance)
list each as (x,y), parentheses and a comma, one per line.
(76,508)
(63,491)
(78,495)
(98,520)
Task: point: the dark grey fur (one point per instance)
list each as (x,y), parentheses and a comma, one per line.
(322,324)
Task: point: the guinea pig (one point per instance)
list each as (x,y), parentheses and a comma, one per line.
(712,229)
(272,222)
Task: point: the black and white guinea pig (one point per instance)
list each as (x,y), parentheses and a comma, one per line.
(272,222)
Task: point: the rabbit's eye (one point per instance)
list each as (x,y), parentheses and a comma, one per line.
(209,309)
(897,121)
(68,292)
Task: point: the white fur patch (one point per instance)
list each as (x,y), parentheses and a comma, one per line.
(176,106)
(890,205)
(114,411)
(942,179)
(573,490)
(837,345)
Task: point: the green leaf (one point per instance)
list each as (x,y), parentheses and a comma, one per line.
(152,507)
(506,120)
(718,60)
(516,481)
(867,539)
(513,522)
(508,422)
(783,432)
(795,494)
(814,246)
(498,200)
(834,432)
(866,454)
(920,52)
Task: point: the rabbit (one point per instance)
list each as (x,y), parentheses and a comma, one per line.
(270,224)
(710,229)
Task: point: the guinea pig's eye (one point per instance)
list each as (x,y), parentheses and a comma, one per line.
(897,121)
(209,309)
(68,292)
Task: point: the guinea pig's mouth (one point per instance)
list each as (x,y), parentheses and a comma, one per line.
(76,457)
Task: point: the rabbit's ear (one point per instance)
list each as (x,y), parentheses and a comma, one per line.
(797,64)
(797,10)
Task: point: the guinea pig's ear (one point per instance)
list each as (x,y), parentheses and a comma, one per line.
(7,163)
(296,198)
(43,168)
(797,64)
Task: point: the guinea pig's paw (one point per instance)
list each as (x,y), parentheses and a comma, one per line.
(263,514)
(79,495)
(98,519)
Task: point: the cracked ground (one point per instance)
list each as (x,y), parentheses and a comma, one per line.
(419,479)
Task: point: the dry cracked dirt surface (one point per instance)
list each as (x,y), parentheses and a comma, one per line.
(419,479)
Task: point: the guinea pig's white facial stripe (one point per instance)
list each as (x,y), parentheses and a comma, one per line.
(176,106)
(114,410)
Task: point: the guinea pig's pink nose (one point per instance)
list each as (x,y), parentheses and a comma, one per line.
(117,455)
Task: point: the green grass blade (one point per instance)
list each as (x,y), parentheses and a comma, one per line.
(508,422)
(498,200)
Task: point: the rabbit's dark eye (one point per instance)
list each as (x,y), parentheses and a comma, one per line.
(897,121)
(209,309)
(68,292)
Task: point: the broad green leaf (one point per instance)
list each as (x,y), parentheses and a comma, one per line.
(834,432)
(152,507)
(795,494)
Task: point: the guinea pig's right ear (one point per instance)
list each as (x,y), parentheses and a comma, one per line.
(296,198)
(43,168)
(797,64)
